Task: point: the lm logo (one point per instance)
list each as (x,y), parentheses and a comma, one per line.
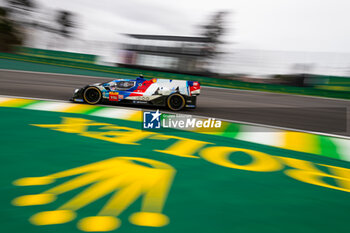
(126,178)
(151,120)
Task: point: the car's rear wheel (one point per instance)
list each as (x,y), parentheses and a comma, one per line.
(176,102)
(92,95)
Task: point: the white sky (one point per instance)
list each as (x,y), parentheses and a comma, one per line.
(301,25)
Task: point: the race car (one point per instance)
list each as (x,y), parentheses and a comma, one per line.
(174,94)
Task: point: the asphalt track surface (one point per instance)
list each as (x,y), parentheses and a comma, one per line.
(290,111)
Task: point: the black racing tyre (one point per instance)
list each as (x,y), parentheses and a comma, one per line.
(176,102)
(92,95)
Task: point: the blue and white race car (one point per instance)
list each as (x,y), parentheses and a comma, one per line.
(174,94)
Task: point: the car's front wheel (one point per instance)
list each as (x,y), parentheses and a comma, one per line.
(92,95)
(176,102)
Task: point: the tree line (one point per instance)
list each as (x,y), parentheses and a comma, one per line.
(16,20)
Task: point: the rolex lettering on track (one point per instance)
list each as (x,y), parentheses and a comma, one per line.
(68,172)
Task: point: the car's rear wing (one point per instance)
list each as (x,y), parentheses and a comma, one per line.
(194,87)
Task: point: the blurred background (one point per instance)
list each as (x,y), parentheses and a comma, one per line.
(294,43)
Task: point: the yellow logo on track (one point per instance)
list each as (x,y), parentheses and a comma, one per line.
(301,170)
(126,178)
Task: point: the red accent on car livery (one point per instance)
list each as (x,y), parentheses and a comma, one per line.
(195,88)
(113,96)
(142,88)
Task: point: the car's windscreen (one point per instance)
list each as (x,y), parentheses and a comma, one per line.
(125,84)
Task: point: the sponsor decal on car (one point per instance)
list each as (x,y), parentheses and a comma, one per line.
(113,96)
(139,102)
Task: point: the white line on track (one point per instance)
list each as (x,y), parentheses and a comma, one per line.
(116,112)
(49,106)
(272,127)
